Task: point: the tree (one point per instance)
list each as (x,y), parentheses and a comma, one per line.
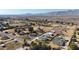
(72,24)
(73,46)
(25,43)
(25,40)
(40,46)
(78,33)
(77,29)
(33,43)
(57,21)
(30,28)
(7,24)
(74,38)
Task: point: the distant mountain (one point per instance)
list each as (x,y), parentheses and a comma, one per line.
(58,13)
(72,12)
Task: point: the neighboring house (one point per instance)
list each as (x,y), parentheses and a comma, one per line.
(45,36)
(59,41)
(32,35)
(5,38)
(21,33)
(1,27)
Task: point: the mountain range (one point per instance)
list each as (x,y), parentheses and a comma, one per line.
(74,12)
(70,12)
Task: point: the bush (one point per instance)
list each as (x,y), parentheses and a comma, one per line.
(40,46)
(73,46)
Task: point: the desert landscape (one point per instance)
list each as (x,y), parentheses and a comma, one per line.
(46,31)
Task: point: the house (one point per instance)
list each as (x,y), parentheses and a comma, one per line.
(59,41)
(45,36)
(17,30)
(32,35)
(5,38)
(1,27)
(21,33)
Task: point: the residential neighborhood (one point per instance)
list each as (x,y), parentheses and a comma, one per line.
(34,32)
(37,35)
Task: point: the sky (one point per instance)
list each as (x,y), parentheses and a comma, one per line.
(25,11)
